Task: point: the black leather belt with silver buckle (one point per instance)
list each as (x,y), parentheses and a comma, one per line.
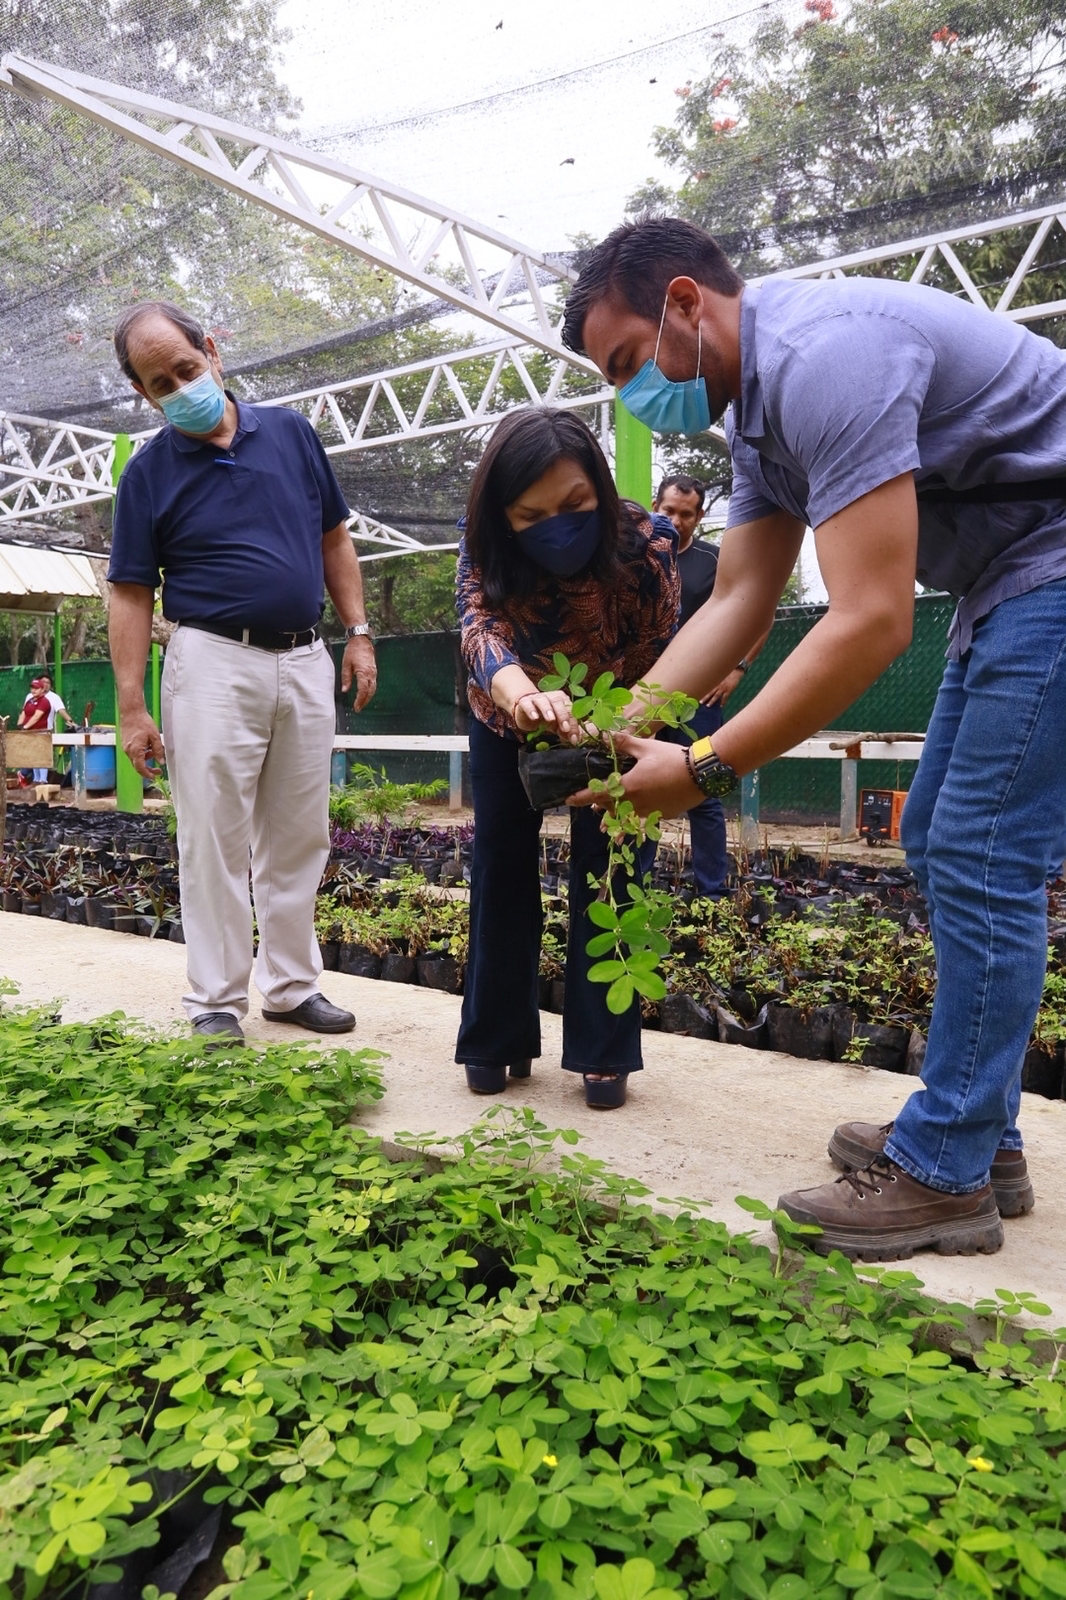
(258,638)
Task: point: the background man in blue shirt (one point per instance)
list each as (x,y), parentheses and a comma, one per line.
(681,498)
(918,435)
(238,509)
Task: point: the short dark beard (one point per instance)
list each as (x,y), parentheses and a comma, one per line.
(714,381)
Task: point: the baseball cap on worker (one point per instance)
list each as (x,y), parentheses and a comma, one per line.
(37,683)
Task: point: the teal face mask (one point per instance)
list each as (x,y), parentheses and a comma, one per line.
(664,405)
(196,407)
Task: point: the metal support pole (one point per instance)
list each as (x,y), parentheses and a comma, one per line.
(849,798)
(632,456)
(455,780)
(129,786)
(57,653)
(749,810)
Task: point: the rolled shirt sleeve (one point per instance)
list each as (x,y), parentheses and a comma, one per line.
(748,498)
(848,393)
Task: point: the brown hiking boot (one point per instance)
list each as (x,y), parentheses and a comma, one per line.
(881,1214)
(854,1145)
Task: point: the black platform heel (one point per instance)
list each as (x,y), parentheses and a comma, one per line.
(606,1094)
(522,1069)
(486,1080)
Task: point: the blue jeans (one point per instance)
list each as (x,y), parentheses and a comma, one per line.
(985,815)
(501,1017)
(706,821)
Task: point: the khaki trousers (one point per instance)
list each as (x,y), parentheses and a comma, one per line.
(248,739)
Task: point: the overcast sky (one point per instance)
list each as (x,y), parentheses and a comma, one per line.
(542,127)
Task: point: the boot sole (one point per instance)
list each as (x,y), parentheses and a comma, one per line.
(1013,1199)
(961,1237)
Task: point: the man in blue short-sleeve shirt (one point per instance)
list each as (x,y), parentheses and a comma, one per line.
(236,511)
(921,437)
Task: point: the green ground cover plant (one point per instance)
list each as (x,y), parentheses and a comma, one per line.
(499,1374)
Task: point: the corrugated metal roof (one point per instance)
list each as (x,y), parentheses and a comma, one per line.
(40,580)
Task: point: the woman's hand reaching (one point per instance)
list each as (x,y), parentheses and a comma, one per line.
(552,712)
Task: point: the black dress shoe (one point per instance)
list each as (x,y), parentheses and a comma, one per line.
(222,1026)
(317,1014)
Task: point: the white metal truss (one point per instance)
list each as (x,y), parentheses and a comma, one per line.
(438,249)
(934,252)
(442,394)
(47,466)
(368,530)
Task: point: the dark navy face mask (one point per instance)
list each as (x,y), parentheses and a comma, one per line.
(562,544)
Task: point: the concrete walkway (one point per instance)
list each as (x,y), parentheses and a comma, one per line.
(703,1121)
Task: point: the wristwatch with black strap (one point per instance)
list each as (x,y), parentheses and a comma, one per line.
(710,774)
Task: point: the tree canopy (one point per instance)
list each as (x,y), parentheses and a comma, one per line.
(878,122)
(873,124)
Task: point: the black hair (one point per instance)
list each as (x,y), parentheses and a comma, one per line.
(129,319)
(687,485)
(638,261)
(523,447)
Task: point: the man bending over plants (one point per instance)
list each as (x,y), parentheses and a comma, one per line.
(919,436)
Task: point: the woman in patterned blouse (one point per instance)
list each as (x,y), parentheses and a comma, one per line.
(551,561)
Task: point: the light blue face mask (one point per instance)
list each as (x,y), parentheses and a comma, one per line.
(196,407)
(663,405)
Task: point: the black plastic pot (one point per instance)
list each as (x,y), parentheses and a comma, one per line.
(557,995)
(732,1031)
(915,1058)
(549,776)
(358,961)
(439,972)
(399,969)
(76,909)
(31,908)
(884,1044)
(680,1013)
(11,900)
(809,1037)
(174,931)
(1042,1073)
(328,948)
(99,911)
(124,921)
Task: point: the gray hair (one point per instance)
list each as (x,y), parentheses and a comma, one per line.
(129,319)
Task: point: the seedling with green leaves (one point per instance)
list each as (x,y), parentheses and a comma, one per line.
(632,917)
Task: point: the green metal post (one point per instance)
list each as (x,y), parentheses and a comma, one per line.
(57,653)
(129,786)
(123,451)
(632,456)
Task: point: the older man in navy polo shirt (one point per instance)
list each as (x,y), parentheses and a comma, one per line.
(237,509)
(918,435)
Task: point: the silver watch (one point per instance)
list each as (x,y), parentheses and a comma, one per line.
(358,630)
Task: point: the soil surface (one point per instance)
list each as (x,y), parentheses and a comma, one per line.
(705,1121)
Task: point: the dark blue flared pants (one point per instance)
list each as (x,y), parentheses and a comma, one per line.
(501,1016)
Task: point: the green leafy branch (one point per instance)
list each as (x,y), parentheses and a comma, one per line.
(632,917)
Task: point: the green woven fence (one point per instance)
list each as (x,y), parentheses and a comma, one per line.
(417,693)
(901,701)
